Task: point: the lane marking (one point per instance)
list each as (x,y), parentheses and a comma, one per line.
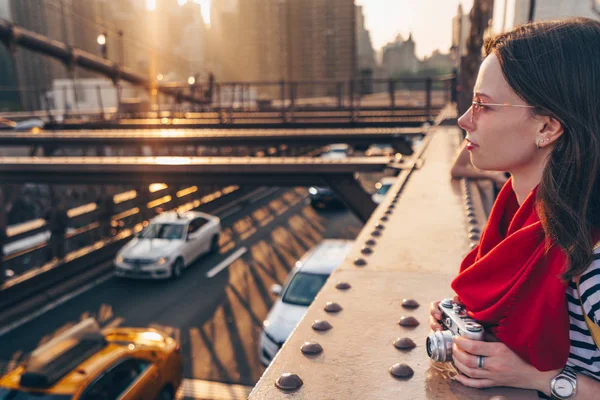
(54,304)
(237,201)
(262,196)
(231,211)
(226,262)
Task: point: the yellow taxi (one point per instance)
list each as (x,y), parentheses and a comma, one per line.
(85,363)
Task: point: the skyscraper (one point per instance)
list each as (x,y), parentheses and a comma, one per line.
(292,40)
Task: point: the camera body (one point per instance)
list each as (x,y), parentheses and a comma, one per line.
(455,321)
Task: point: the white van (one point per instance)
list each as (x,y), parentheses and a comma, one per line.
(305,281)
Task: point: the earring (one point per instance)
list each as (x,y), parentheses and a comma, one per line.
(537,143)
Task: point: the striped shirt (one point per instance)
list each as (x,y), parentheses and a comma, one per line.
(584,356)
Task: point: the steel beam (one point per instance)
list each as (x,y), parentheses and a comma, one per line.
(353,195)
(180,137)
(277,171)
(249,123)
(14,34)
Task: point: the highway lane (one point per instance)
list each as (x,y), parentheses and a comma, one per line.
(217,320)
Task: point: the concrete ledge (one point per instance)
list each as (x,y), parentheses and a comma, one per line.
(417,249)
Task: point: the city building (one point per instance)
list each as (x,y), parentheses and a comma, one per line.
(399,57)
(510,13)
(364,53)
(438,63)
(461,25)
(284,40)
(9,96)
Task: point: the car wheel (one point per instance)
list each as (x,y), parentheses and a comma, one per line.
(166,394)
(214,244)
(177,268)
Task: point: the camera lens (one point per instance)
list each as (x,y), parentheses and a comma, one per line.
(439,346)
(428,346)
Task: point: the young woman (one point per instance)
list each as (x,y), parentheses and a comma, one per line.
(536,114)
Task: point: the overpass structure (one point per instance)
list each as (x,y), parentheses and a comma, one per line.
(253,171)
(209,137)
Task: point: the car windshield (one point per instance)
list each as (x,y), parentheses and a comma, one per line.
(384,189)
(6,394)
(163,231)
(338,151)
(303,288)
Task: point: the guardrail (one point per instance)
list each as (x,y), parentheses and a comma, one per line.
(39,286)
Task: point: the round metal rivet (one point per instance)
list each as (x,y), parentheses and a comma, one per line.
(360,262)
(384,218)
(473,221)
(410,303)
(401,371)
(404,344)
(343,286)
(332,307)
(473,245)
(311,348)
(370,242)
(391,206)
(288,382)
(408,321)
(376,233)
(474,229)
(474,236)
(471,214)
(321,325)
(388,212)
(379,226)
(366,250)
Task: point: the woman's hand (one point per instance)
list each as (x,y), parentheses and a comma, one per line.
(435,315)
(501,366)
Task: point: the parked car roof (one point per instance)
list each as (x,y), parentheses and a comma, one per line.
(326,256)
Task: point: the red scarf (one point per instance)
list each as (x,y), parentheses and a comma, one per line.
(512,286)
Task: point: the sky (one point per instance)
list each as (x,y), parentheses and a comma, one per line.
(430,21)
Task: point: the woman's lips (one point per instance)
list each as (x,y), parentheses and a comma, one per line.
(471,145)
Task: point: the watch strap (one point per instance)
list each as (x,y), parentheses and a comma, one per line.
(568,373)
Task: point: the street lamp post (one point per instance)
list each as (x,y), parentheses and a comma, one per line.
(102,43)
(120,33)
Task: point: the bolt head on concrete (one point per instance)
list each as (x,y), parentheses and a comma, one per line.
(404,344)
(311,348)
(321,325)
(343,286)
(332,307)
(401,371)
(410,303)
(289,382)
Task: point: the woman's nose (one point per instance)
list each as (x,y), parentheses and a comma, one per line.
(465,121)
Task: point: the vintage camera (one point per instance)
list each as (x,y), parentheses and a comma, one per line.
(456,322)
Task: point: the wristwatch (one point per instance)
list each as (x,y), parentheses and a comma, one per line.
(564,385)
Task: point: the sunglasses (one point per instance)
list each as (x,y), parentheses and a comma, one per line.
(477,106)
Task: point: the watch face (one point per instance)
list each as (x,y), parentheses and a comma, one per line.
(563,387)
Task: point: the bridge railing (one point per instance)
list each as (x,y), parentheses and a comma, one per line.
(100,100)
(356,339)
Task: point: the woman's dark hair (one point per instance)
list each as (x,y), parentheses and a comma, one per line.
(555,66)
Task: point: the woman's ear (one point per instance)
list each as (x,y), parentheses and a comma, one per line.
(551,131)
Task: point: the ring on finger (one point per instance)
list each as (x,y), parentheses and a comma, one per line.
(480,361)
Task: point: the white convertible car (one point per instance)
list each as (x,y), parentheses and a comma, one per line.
(169,244)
